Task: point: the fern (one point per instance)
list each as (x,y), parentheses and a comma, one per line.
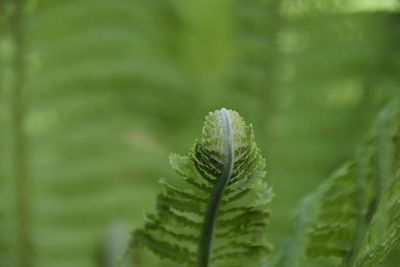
(220,218)
(94,67)
(353,218)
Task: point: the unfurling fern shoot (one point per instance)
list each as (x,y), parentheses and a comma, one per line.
(220,217)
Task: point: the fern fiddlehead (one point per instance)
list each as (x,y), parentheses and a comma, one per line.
(209,224)
(220,218)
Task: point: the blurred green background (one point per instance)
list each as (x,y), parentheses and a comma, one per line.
(96,94)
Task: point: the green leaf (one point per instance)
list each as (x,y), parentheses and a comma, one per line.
(352,220)
(220,216)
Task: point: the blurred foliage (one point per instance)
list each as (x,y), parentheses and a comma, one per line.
(353,217)
(112,87)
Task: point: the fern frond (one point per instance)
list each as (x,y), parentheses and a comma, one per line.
(354,216)
(221,216)
(384,233)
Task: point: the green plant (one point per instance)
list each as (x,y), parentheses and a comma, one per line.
(222,217)
(352,220)
(108,87)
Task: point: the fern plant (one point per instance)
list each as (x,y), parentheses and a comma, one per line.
(352,220)
(221,216)
(358,220)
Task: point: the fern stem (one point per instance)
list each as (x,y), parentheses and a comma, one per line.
(210,219)
(365,220)
(20,155)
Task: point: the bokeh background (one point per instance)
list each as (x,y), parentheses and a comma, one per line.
(95,94)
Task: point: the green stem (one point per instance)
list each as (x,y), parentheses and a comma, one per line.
(20,158)
(210,220)
(364,222)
